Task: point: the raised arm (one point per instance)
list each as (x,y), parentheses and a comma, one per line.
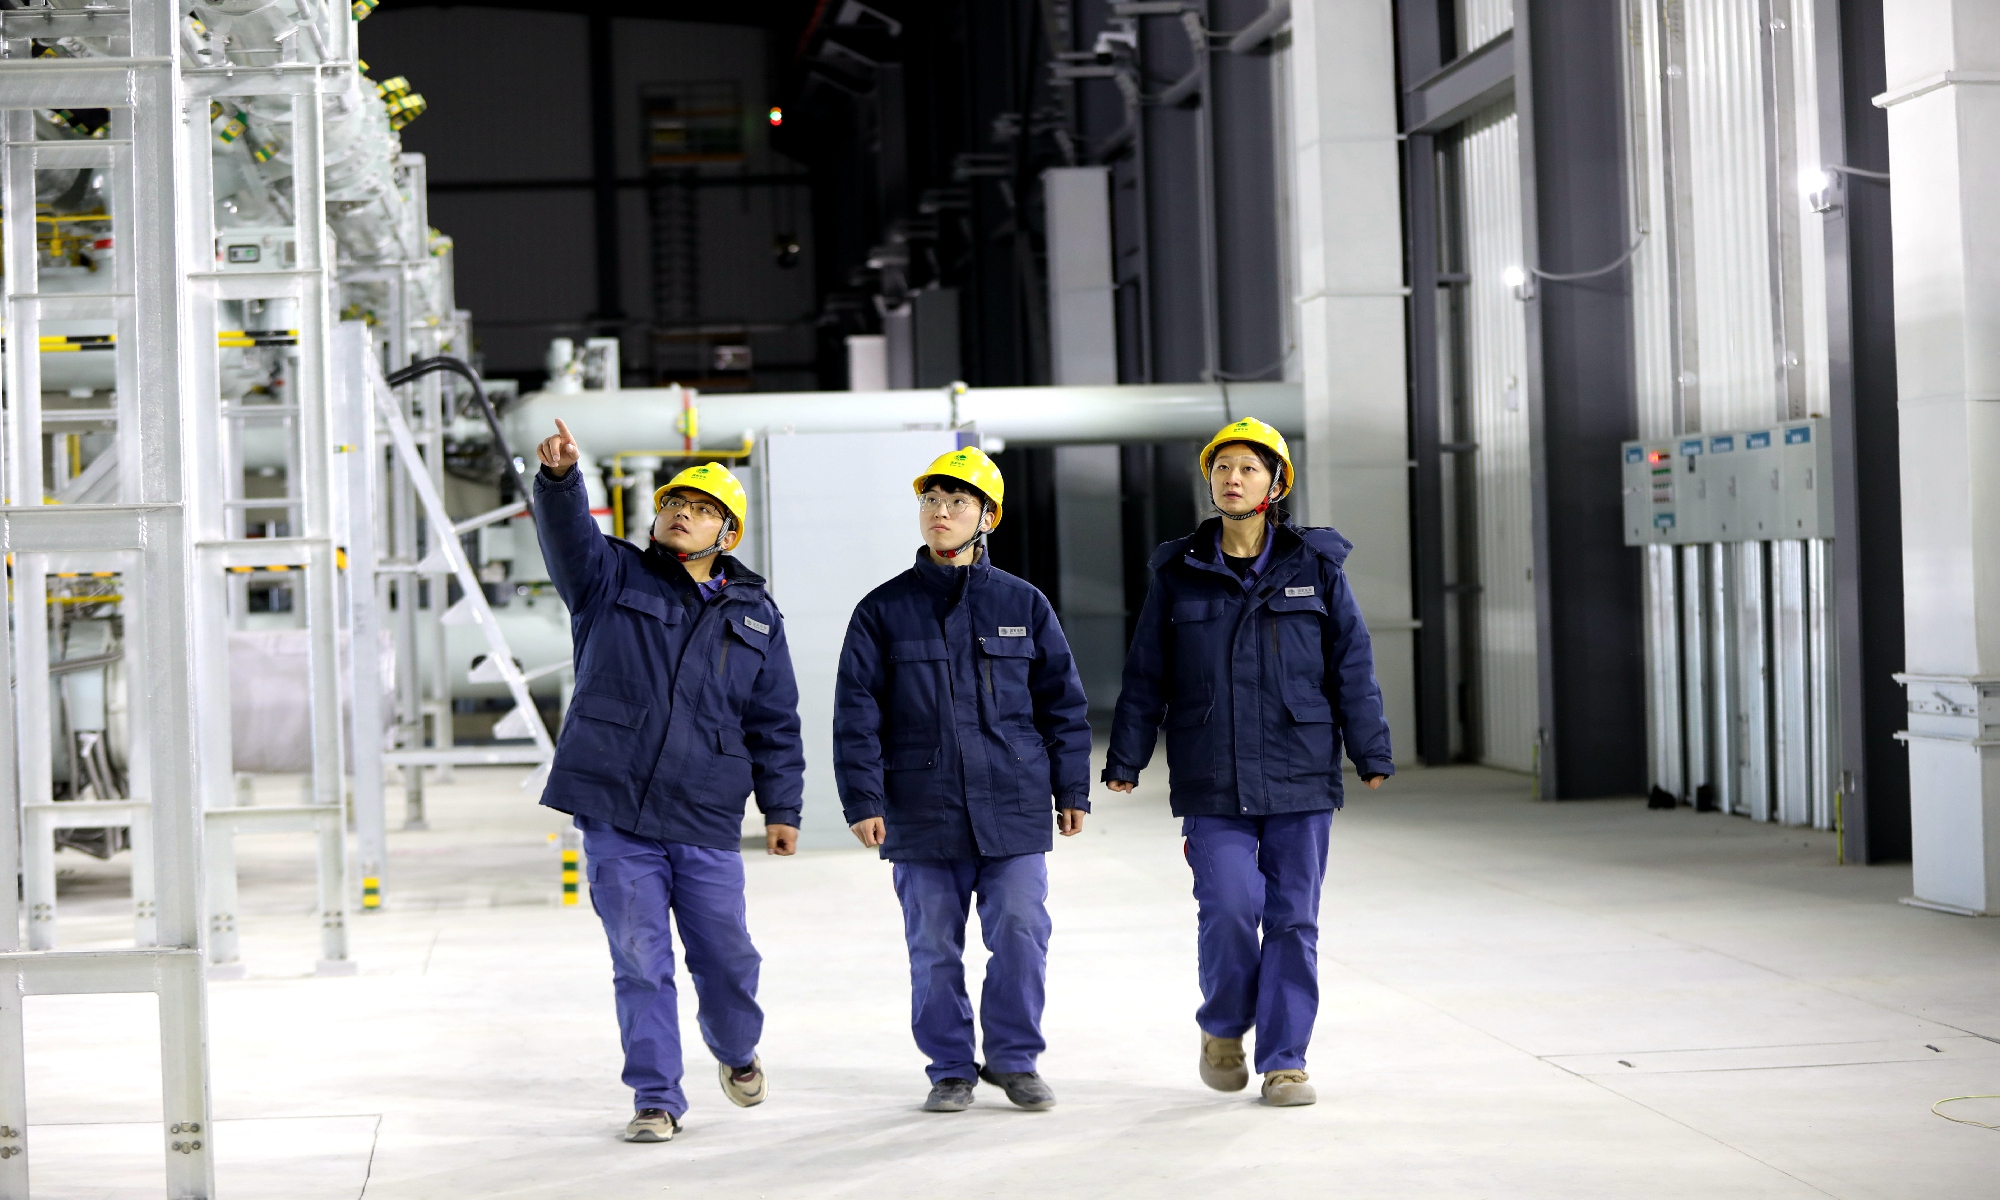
(572,544)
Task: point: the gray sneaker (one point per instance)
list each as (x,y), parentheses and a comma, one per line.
(652,1125)
(1222,1063)
(949,1095)
(746,1087)
(1025,1088)
(1287,1089)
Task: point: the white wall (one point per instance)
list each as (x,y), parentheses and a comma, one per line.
(1347,206)
(838,518)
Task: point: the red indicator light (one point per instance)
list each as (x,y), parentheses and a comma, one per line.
(777,117)
(1656,456)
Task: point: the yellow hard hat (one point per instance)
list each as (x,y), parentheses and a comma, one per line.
(714,479)
(1255,432)
(972,466)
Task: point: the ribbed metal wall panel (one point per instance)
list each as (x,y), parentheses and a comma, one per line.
(1812,259)
(1733,288)
(1496,336)
(1480,21)
(1652,313)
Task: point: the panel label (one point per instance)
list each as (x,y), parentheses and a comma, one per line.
(1799,436)
(1722,445)
(1663,520)
(1691,447)
(1635,454)
(1757,441)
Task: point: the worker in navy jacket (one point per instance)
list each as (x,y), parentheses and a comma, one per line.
(959,740)
(684,705)
(1251,652)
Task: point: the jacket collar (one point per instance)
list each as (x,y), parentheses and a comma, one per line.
(1204,545)
(674,572)
(949,580)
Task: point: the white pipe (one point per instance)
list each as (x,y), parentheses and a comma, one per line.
(643,418)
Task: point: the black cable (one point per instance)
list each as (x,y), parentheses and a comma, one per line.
(444,362)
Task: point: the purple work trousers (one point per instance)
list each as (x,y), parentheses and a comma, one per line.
(937,896)
(1252,876)
(634,883)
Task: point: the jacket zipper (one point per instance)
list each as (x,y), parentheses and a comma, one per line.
(986,664)
(722,663)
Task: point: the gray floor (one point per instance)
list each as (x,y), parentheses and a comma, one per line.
(1520,999)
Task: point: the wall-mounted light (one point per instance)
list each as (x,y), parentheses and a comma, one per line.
(1519,282)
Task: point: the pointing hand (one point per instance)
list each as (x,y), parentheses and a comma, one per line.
(558,453)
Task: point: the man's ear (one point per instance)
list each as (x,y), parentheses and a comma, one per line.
(986,520)
(731,537)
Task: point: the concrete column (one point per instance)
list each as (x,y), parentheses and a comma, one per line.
(1943,100)
(1347,203)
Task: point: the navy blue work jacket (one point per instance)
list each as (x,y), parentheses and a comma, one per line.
(958,715)
(1254,686)
(680,708)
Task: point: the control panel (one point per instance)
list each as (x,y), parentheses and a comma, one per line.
(1749,485)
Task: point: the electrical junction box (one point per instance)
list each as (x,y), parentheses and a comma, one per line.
(257,248)
(1650,494)
(1743,486)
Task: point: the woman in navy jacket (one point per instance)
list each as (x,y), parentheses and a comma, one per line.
(684,704)
(959,739)
(1252,654)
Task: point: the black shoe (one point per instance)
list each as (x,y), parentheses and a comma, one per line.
(1025,1088)
(949,1095)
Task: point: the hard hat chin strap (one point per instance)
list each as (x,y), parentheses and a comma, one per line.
(975,540)
(1262,506)
(728,527)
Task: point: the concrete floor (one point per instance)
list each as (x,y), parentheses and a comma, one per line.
(1520,999)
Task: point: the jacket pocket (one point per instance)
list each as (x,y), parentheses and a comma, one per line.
(910,758)
(1190,744)
(917,651)
(1187,611)
(1003,674)
(909,776)
(1311,735)
(600,737)
(651,604)
(729,774)
(757,639)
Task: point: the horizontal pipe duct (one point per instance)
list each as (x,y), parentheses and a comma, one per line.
(640,419)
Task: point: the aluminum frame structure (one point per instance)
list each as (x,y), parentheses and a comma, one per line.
(153,533)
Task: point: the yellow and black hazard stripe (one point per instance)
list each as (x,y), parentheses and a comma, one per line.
(61,343)
(228,339)
(238,338)
(86,574)
(339,561)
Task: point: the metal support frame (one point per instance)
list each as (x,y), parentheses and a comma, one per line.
(524,720)
(141,83)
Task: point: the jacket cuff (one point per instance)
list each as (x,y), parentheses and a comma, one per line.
(1113,773)
(1375,766)
(783,816)
(862,811)
(569,478)
(1079,801)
